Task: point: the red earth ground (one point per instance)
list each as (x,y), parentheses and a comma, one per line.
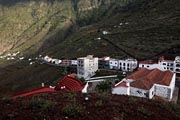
(75,106)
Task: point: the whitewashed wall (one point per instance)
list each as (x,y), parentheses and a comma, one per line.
(151,92)
(162,91)
(139,92)
(120,90)
(113,64)
(166,91)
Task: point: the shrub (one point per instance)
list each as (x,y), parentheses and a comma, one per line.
(103,96)
(132,99)
(71,110)
(103,86)
(117,118)
(7,100)
(40,104)
(82,80)
(99,103)
(144,111)
(70,95)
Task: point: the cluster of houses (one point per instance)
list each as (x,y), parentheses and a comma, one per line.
(87,66)
(10,56)
(162,64)
(16,56)
(64,62)
(121,24)
(150,80)
(155,79)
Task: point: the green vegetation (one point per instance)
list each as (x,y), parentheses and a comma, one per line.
(81,79)
(132,99)
(40,104)
(7,100)
(72,110)
(70,96)
(70,28)
(104,86)
(31,25)
(118,118)
(144,111)
(116,107)
(99,103)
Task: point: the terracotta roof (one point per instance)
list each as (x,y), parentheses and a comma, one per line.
(161,58)
(142,84)
(40,90)
(122,84)
(73,75)
(167,61)
(69,84)
(145,78)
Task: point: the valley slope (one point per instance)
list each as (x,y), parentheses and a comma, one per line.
(73,28)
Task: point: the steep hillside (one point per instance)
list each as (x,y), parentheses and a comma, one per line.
(72,28)
(32,25)
(142,28)
(73,106)
(25,25)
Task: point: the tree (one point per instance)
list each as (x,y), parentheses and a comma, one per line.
(104,86)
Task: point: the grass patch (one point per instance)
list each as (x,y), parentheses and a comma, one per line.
(72,110)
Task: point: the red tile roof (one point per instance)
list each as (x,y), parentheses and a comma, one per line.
(73,75)
(40,90)
(167,61)
(69,83)
(145,78)
(122,84)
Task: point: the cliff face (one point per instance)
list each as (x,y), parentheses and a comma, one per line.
(25,25)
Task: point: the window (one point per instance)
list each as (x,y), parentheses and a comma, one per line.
(178,65)
(148,66)
(164,63)
(142,65)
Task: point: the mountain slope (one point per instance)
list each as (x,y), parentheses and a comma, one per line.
(32,25)
(148,28)
(73,106)
(137,28)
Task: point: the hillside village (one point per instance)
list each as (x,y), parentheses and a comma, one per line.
(146,79)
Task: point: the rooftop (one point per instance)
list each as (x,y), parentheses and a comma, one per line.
(121,84)
(145,78)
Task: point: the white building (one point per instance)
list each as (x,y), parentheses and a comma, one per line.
(147,83)
(127,65)
(87,66)
(74,62)
(57,62)
(47,58)
(177,64)
(162,64)
(114,64)
(123,65)
(121,88)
